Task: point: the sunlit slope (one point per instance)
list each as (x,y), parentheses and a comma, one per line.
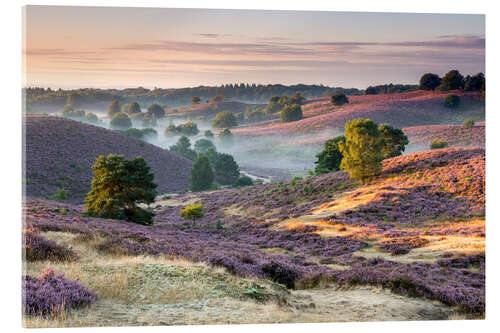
(401,110)
(60,153)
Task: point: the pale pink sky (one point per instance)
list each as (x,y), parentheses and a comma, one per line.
(72,47)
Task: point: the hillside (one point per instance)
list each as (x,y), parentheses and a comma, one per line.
(59,154)
(413,237)
(401,110)
(208,109)
(454,135)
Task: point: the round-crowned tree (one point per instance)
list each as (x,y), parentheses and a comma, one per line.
(91,118)
(118,186)
(224,119)
(395,140)
(131,108)
(362,150)
(243,181)
(226,169)
(201,177)
(217,98)
(172,130)
(291,113)
(329,159)
(157,110)
(468,123)
(438,144)
(209,134)
(121,121)
(188,129)
(429,81)
(451,101)
(113,108)
(339,99)
(452,80)
(183,148)
(475,82)
(203,145)
(195,100)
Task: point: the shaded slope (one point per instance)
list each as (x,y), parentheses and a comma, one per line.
(59,154)
(454,135)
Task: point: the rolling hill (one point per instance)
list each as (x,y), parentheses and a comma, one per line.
(59,154)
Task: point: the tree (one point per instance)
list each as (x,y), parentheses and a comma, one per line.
(118,186)
(451,101)
(121,120)
(195,100)
(329,159)
(291,113)
(362,150)
(452,80)
(226,136)
(224,119)
(429,81)
(468,123)
(226,169)
(188,129)
(395,140)
(183,148)
(203,145)
(475,82)
(209,134)
(243,181)
(217,98)
(438,144)
(171,130)
(91,118)
(192,212)
(339,99)
(113,108)
(131,108)
(201,177)
(296,99)
(156,110)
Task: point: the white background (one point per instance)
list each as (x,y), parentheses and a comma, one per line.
(11,139)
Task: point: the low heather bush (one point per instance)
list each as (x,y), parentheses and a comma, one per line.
(37,248)
(51,294)
(283,273)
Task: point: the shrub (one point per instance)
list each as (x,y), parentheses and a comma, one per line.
(60,195)
(291,113)
(451,101)
(438,144)
(224,119)
(429,81)
(468,123)
(203,145)
(243,181)
(156,110)
(39,248)
(134,132)
(121,120)
(339,99)
(113,108)
(201,176)
(193,212)
(118,185)
(51,294)
(329,159)
(183,148)
(394,140)
(131,108)
(282,273)
(362,150)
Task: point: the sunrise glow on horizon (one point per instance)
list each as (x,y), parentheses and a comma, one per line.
(106,47)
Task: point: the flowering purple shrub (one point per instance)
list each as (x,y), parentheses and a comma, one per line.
(37,247)
(283,273)
(51,294)
(402,245)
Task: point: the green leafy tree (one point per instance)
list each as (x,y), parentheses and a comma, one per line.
(429,81)
(469,123)
(201,177)
(362,150)
(452,80)
(189,129)
(224,119)
(195,100)
(395,140)
(438,144)
(156,110)
(217,98)
(203,145)
(475,82)
(451,101)
(183,148)
(91,118)
(192,212)
(291,113)
(172,130)
(209,134)
(329,159)
(113,108)
(131,108)
(121,120)
(339,99)
(226,169)
(295,99)
(118,186)
(243,181)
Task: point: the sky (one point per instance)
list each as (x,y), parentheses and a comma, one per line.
(120,47)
